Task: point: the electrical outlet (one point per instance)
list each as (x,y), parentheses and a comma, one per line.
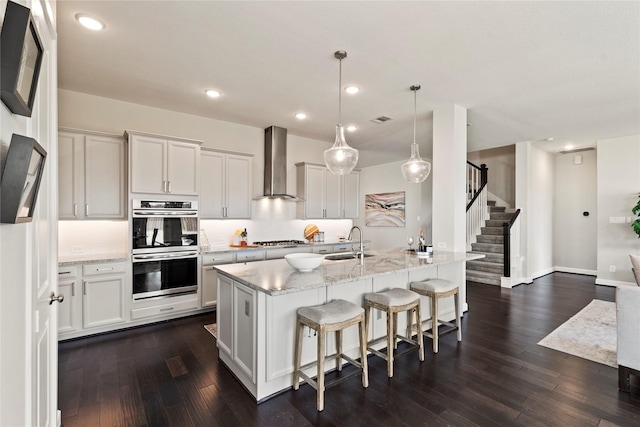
(221,242)
(77,249)
(612,269)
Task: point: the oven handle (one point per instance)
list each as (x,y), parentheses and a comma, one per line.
(153,257)
(165,213)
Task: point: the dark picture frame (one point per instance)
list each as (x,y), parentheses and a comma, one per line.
(21,58)
(23,170)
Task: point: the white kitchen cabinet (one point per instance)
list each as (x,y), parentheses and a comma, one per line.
(236,321)
(103,288)
(225,183)
(249,255)
(91,175)
(163,165)
(94,298)
(277,253)
(70,310)
(326,196)
(209,277)
(322,249)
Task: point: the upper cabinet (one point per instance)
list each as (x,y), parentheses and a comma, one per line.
(225,185)
(91,175)
(163,165)
(327,196)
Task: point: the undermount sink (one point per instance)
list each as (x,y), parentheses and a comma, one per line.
(345,255)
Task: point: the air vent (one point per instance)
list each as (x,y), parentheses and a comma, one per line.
(381,119)
(577,150)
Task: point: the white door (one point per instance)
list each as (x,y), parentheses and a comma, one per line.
(28,261)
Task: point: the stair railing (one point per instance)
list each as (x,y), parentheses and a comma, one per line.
(511,240)
(477,212)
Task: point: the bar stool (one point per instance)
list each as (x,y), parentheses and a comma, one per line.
(436,289)
(392,302)
(334,316)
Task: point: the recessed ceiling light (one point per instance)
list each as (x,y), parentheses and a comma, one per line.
(352,128)
(301,116)
(352,90)
(90,22)
(568,147)
(212,93)
(550,138)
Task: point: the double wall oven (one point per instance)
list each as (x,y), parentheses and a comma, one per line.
(164,248)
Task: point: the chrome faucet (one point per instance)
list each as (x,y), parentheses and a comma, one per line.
(361,253)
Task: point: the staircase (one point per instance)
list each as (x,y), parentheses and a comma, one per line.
(490,242)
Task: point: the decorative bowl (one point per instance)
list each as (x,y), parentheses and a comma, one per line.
(304,262)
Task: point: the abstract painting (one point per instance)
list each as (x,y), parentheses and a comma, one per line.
(384,209)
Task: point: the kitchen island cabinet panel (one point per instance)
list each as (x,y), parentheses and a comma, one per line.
(224,314)
(91,176)
(244,329)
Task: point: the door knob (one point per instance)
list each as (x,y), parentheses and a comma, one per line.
(53,298)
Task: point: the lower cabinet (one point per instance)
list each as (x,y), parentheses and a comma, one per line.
(237,324)
(94,297)
(209,277)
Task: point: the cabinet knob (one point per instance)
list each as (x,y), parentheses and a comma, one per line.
(53,298)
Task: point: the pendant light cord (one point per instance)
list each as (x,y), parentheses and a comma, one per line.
(415,114)
(340,94)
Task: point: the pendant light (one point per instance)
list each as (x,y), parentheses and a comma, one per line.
(415,169)
(340,159)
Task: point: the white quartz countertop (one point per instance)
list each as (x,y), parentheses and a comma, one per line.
(276,277)
(222,249)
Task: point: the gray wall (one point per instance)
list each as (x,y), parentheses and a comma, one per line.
(501,162)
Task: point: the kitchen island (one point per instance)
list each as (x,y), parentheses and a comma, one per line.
(257,305)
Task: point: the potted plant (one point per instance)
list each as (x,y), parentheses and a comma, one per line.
(636,211)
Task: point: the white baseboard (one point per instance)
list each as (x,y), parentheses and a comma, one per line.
(576,271)
(607,282)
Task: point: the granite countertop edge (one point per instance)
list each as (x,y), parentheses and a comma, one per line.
(73,259)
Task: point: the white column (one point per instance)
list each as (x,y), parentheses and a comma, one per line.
(449,171)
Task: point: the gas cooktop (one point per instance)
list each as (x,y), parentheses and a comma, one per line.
(281,243)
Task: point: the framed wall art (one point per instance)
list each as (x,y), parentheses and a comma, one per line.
(21,56)
(384,209)
(21,178)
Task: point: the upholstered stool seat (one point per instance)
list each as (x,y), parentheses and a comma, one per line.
(436,289)
(334,316)
(392,302)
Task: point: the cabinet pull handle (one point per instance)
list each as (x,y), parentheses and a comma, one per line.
(104,269)
(86,210)
(164,186)
(169,186)
(75,209)
(166,309)
(63,272)
(84,288)
(73,289)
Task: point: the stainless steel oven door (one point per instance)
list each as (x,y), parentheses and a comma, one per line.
(164,274)
(164,231)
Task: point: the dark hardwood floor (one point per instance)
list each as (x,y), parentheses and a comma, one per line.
(168,374)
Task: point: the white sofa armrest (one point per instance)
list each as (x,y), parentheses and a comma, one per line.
(628,324)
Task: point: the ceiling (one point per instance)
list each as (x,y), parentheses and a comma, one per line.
(526,71)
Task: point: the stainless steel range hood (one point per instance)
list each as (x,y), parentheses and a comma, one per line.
(275,164)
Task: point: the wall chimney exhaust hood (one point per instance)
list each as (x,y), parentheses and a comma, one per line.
(275,164)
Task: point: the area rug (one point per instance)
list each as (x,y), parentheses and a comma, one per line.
(591,334)
(212,329)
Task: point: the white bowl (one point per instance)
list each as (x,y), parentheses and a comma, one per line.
(304,261)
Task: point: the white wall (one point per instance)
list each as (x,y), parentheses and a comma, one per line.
(618,188)
(534,196)
(387,178)
(574,240)
(501,162)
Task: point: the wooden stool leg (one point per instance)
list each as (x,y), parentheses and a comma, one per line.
(419,336)
(456,301)
(367,320)
(298,355)
(395,330)
(339,350)
(320,379)
(434,322)
(390,344)
(363,354)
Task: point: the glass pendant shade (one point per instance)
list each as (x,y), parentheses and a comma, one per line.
(415,169)
(340,159)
